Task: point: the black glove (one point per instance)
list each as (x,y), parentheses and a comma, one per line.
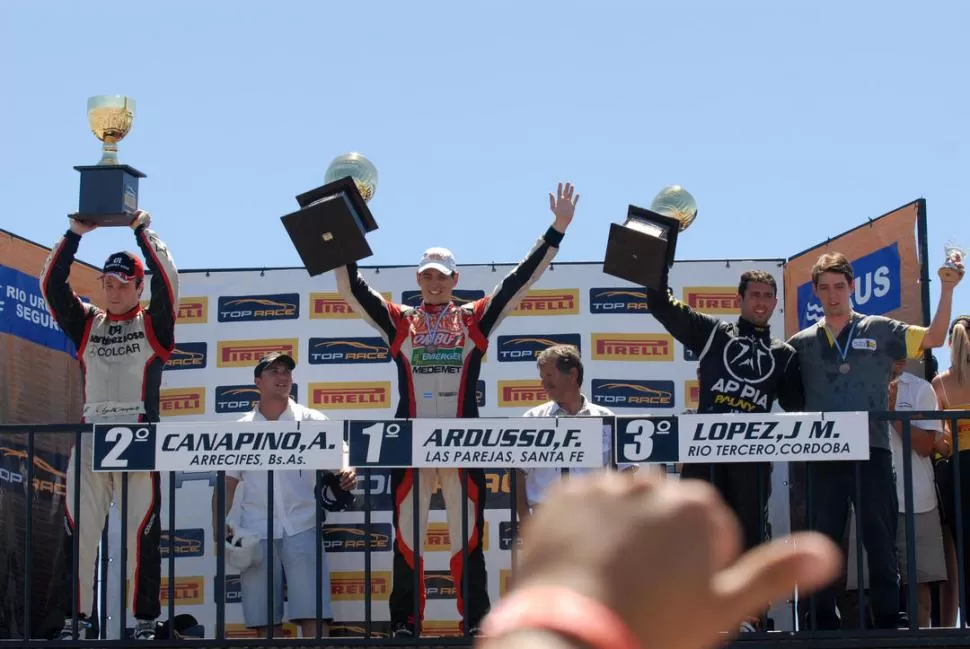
(332,497)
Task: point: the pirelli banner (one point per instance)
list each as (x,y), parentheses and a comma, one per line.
(228,319)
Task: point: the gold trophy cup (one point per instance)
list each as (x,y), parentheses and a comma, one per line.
(109,190)
(110,118)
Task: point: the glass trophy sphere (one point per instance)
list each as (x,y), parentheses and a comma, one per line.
(358,167)
(676,202)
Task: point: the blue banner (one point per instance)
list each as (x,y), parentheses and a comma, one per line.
(878,287)
(24,314)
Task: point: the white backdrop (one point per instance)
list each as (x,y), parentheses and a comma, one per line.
(221,330)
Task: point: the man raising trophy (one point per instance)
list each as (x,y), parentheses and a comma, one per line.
(122,349)
(438,348)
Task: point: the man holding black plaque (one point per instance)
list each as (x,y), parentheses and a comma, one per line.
(438,348)
(741,369)
(122,349)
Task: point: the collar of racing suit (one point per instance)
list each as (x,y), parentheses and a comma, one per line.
(127,315)
(751,329)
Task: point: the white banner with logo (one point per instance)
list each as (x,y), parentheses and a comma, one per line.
(228,319)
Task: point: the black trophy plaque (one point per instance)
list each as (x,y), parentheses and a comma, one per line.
(642,249)
(108,195)
(329,229)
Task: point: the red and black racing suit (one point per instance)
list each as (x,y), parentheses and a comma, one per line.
(121,358)
(441,383)
(741,369)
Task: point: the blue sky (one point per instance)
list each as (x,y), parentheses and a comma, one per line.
(802,118)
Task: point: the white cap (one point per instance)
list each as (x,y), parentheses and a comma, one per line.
(243,551)
(439,259)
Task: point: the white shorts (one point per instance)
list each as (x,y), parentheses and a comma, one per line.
(293,558)
(930,562)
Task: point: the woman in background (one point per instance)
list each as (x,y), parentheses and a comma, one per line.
(953,392)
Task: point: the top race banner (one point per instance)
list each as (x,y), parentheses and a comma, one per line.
(885,261)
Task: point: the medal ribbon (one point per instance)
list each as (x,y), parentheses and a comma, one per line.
(432,332)
(843,353)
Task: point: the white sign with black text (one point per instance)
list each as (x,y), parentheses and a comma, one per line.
(774,437)
(215,446)
(524,442)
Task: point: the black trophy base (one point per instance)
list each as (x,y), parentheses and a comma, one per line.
(109,194)
(329,230)
(642,250)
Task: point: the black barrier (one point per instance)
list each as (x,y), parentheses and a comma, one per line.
(856,617)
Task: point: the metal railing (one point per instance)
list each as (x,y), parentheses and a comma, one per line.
(33,489)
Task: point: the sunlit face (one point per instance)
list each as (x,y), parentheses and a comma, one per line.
(559,386)
(758,303)
(120,297)
(897,369)
(275,381)
(436,287)
(834,291)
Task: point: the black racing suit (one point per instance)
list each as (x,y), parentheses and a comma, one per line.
(741,369)
(436,376)
(121,358)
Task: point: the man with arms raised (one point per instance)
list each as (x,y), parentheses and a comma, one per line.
(122,350)
(438,348)
(742,368)
(846,361)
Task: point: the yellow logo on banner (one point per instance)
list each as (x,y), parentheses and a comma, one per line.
(439,541)
(561,301)
(692,393)
(513,393)
(713,299)
(193,310)
(246,353)
(350,395)
(43,472)
(188,590)
(239,630)
(441,628)
(358,629)
(330,306)
(351,585)
(633,347)
(497,484)
(176,402)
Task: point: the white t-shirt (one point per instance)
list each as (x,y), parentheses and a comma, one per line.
(294,501)
(537,480)
(915,394)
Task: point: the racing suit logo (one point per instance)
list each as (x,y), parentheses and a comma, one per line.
(748,360)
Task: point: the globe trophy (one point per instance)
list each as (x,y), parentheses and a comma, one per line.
(954,263)
(328,231)
(109,190)
(642,249)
